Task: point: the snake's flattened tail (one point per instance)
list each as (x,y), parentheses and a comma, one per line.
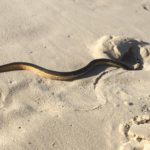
(42,72)
(27,66)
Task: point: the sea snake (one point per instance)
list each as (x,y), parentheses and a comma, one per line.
(64,76)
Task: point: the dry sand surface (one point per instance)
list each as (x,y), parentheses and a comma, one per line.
(109,109)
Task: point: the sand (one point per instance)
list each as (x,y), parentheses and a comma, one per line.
(109,109)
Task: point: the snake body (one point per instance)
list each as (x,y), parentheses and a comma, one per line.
(64,76)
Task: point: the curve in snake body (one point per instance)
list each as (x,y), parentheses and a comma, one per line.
(64,76)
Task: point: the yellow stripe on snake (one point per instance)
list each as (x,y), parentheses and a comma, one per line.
(64,76)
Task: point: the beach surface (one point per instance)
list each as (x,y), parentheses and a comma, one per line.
(109,108)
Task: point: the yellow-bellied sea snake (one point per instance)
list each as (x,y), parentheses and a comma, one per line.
(64,76)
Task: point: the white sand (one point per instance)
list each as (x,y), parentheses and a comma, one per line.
(106,111)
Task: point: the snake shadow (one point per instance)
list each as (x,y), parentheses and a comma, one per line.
(96,70)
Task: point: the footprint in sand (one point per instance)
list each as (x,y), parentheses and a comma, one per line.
(7,99)
(127,50)
(137,133)
(118,48)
